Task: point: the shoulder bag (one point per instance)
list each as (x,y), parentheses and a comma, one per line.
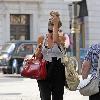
(71,76)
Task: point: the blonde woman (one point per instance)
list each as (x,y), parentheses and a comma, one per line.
(52,48)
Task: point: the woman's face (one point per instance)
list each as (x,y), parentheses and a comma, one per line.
(53,18)
(50,27)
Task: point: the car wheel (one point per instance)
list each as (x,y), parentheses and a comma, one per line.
(4,71)
(9,71)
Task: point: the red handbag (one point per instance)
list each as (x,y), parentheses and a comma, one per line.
(35,68)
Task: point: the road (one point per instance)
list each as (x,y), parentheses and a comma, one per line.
(16,88)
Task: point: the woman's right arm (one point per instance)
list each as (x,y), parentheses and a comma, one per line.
(85,69)
(87,64)
(39,46)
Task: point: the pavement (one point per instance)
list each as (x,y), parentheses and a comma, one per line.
(14,87)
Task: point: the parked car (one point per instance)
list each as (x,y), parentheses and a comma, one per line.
(13,53)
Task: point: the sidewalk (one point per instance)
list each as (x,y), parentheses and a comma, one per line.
(27,89)
(70,95)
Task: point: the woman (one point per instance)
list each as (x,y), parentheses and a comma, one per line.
(91,63)
(52,50)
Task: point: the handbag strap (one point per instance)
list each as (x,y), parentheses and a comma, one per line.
(62,51)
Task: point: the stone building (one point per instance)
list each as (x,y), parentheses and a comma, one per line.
(25,19)
(92,27)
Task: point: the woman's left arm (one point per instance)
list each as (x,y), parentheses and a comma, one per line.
(55,20)
(62,39)
(39,46)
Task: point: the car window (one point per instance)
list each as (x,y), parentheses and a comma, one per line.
(26,48)
(8,47)
(29,48)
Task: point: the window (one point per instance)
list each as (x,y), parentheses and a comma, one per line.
(26,48)
(19,19)
(19,26)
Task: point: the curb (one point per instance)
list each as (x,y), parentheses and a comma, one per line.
(11,75)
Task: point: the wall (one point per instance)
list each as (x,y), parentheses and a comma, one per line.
(93,22)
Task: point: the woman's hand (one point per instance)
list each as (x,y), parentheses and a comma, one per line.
(39,46)
(40,40)
(55,19)
(85,69)
(38,52)
(62,38)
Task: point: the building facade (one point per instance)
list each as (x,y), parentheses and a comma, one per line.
(92,27)
(25,19)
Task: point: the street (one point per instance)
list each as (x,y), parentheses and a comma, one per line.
(18,88)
